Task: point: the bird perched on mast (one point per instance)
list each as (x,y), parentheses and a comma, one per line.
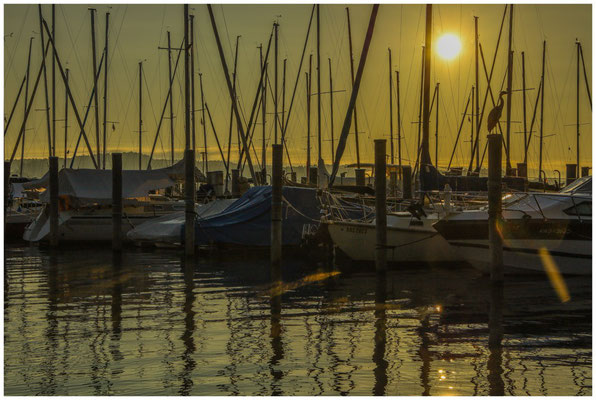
(495,113)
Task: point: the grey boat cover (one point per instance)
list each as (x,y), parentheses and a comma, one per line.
(95,186)
(168,228)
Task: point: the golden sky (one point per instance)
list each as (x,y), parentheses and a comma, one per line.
(137,30)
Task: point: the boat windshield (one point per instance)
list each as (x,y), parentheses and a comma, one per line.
(581,185)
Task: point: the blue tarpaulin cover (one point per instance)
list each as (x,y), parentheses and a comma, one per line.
(247,222)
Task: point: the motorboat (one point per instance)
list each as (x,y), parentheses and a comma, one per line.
(539,231)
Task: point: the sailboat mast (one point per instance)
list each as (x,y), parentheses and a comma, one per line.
(105,92)
(45,83)
(420,109)
(509,91)
(186,82)
(319,82)
(541,112)
(263,117)
(205,158)
(352,74)
(477,93)
(398,121)
(231,108)
(66,120)
(283,96)
(95,97)
(524,104)
(577,108)
(391,110)
(437,129)
(425,154)
(171,100)
(472,132)
(54,81)
(25,110)
(331,111)
(140,113)
(276,25)
(192,83)
(308,91)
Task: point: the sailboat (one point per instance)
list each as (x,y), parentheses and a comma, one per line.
(410,234)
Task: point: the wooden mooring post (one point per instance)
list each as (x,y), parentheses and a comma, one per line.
(381,204)
(116,201)
(276,210)
(495,155)
(6,187)
(189,199)
(235,183)
(313,175)
(360,176)
(407,182)
(54,201)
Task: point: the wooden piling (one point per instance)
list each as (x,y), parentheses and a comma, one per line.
(276,209)
(6,187)
(235,183)
(407,182)
(381,204)
(585,171)
(54,201)
(116,201)
(360,176)
(522,170)
(393,183)
(313,175)
(570,173)
(189,199)
(293,176)
(494,207)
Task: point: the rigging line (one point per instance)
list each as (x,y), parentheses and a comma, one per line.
(119,32)
(283,134)
(73,43)
(18,39)
(165,105)
(150,99)
(132,94)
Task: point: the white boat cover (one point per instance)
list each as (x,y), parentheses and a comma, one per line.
(93,185)
(168,228)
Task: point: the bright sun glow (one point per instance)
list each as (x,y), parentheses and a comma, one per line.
(448,46)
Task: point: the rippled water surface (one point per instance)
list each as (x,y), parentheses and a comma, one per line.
(83,322)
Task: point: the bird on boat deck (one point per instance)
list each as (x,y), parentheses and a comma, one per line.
(495,113)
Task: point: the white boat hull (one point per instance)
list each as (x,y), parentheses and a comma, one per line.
(417,244)
(74,227)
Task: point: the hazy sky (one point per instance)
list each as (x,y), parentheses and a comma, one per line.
(136,31)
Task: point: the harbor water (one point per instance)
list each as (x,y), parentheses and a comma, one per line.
(86,322)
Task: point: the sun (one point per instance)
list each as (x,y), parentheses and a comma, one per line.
(448,46)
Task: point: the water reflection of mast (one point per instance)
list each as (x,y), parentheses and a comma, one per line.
(495,338)
(116,307)
(52,329)
(380,337)
(189,328)
(275,333)
(424,354)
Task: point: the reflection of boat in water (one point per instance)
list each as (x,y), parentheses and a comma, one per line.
(540,231)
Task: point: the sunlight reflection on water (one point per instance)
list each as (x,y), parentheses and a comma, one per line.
(84,322)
